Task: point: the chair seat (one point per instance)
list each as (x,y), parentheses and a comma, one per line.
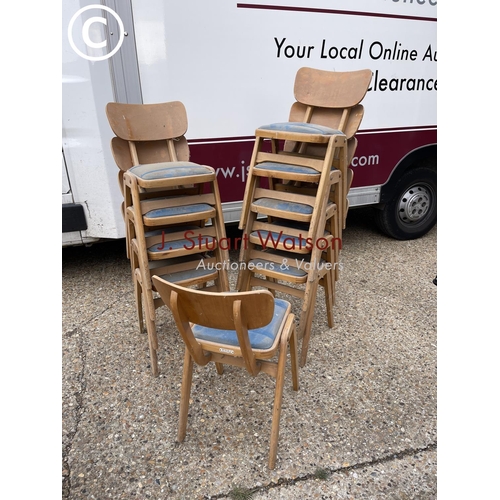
(301,128)
(172,229)
(284,206)
(260,338)
(270,268)
(189,275)
(176,211)
(198,245)
(292,267)
(285,167)
(271,239)
(170,170)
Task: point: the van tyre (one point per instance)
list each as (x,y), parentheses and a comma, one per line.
(412,211)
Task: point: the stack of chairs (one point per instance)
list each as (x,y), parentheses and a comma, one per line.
(171,207)
(295,203)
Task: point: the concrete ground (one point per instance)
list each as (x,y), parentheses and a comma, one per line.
(362,425)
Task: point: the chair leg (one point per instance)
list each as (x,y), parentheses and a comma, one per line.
(329,282)
(153,345)
(306,318)
(187,377)
(220,368)
(294,358)
(243,284)
(244,274)
(278,395)
(138,303)
(150,314)
(272,280)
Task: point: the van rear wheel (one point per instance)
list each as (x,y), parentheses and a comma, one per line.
(412,211)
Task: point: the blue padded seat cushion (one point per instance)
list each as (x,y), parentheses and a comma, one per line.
(187,244)
(173,211)
(285,167)
(289,206)
(171,229)
(169,170)
(187,275)
(272,239)
(284,268)
(260,338)
(301,128)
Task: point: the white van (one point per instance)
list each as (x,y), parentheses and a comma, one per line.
(233,66)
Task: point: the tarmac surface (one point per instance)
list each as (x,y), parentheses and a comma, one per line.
(362,426)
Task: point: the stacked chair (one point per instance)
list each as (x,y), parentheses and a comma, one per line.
(172,207)
(295,203)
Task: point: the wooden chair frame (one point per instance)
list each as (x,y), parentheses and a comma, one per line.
(240,312)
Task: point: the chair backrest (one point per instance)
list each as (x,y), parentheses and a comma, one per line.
(148,152)
(240,311)
(331,89)
(329,98)
(329,117)
(147,133)
(147,122)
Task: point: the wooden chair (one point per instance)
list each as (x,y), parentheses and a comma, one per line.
(307,175)
(129,123)
(245,329)
(168,201)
